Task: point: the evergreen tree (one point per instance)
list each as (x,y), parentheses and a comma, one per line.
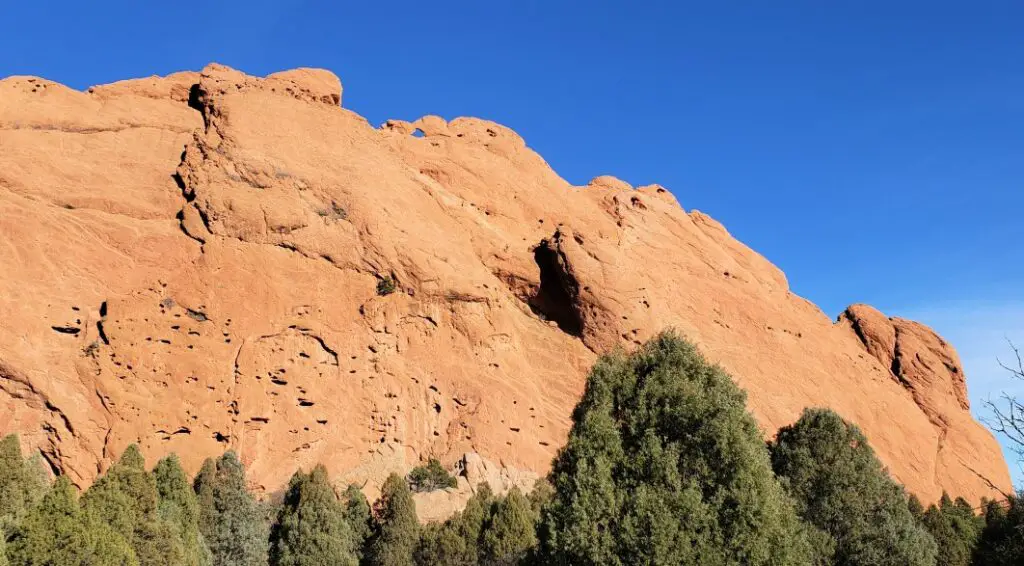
(664,465)
(230,519)
(22,483)
(541,495)
(458,541)
(955,529)
(840,488)
(431,477)
(397,530)
(56,531)
(916,508)
(312,528)
(1002,539)
(357,514)
(126,498)
(180,509)
(511,533)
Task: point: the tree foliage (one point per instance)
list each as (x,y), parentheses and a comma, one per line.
(22,482)
(179,507)
(510,534)
(357,514)
(665,466)
(126,499)
(230,519)
(430,477)
(397,529)
(311,527)
(956,530)
(840,488)
(1002,540)
(57,531)
(457,540)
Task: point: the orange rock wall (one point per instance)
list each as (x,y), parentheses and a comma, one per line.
(191,263)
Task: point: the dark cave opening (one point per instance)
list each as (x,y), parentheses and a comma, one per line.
(557,297)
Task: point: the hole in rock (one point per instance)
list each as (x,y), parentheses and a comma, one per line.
(66,329)
(557,297)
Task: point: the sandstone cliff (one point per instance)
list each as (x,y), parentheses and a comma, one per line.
(191,263)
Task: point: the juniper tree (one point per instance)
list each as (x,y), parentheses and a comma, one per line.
(841,489)
(126,499)
(955,528)
(916,508)
(22,482)
(457,541)
(312,529)
(56,531)
(230,519)
(510,534)
(179,507)
(664,465)
(397,529)
(1002,540)
(430,477)
(357,514)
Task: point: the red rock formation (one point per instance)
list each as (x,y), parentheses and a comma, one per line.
(191,263)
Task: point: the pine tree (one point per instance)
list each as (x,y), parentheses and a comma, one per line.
(664,465)
(125,498)
(840,488)
(397,530)
(511,532)
(312,529)
(230,519)
(955,529)
(56,531)
(179,507)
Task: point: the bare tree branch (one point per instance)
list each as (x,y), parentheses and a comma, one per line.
(1007,412)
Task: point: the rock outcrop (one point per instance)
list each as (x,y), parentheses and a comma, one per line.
(192,263)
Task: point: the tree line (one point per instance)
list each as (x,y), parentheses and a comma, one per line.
(663,465)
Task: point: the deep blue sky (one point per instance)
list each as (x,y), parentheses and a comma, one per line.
(873,150)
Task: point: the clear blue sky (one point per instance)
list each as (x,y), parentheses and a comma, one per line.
(873,150)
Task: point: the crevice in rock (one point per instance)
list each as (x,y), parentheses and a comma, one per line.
(50,463)
(897,361)
(557,297)
(857,329)
(102,333)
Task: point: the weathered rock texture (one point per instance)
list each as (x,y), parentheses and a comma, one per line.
(191,263)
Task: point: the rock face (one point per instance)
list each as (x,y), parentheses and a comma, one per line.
(192,263)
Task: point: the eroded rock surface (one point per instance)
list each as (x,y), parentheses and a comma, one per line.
(191,263)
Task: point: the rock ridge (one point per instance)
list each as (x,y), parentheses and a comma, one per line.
(194,264)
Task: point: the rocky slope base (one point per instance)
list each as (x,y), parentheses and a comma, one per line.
(192,262)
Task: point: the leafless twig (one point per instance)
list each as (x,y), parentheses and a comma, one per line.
(1007,412)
